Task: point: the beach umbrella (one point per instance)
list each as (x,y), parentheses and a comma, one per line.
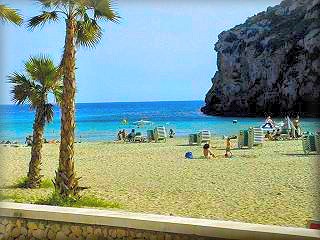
(288,124)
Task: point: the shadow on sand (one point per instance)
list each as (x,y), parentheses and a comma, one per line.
(300,154)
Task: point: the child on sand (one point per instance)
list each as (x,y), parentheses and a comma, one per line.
(228,153)
(207,152)
(268,136)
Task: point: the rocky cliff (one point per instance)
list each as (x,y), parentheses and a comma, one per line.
(271,63)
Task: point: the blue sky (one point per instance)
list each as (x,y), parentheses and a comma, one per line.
(161,50)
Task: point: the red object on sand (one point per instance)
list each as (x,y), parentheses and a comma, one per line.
(314,224)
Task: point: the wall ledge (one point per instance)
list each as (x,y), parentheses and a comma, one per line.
(159,223)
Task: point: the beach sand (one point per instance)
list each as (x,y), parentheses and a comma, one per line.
(272,184)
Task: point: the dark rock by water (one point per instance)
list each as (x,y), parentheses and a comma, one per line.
(271,63)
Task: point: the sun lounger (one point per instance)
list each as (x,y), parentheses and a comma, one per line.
(160,134)
(251,137)
(317,142)
(203,137)
(311,143)
(193,139)
(256,137)
(138,137)
(243,138)
(150,135)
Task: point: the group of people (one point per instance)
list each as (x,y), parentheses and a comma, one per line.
(124,136)
(208,154)
(29,140)
(276,132)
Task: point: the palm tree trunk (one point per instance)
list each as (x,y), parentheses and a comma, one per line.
(34,177)
(66,183)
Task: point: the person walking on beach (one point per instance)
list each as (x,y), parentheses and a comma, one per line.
(228,153)
(207,152)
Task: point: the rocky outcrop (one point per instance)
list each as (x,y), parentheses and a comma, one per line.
(271,63)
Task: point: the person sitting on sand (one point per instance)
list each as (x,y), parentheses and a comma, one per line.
(131,135)
(119,136)
(207,152)
(269,122)
(228,153)
(171,133)
(268,136)
(28,140)
(123,134)
(276,134)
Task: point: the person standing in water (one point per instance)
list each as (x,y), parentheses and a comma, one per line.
(296,124)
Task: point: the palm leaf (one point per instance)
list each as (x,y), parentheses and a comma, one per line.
(89,33)
(23,88)
(57,91)
(10,15)
(53,3)
(43,18)
(42,78)
(42,70)
(103,10)
(48,112)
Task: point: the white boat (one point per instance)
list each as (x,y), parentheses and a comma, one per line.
(141,123)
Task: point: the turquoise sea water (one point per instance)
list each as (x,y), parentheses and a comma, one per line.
(101,121)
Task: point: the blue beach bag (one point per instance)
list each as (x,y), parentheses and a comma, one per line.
(188,155)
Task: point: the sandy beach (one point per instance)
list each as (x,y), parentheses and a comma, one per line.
(273,184)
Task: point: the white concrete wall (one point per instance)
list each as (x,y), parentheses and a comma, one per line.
(157,223)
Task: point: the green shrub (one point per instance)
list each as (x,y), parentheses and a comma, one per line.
(46,183)
(22,183)
(55,200)
(84,201)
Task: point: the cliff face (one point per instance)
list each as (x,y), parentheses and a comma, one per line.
(271,63)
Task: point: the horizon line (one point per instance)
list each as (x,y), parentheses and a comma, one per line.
(3,104)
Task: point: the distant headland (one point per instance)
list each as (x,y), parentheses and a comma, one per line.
(270,63)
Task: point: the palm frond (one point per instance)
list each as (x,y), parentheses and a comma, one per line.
(89,33)
(22,89)
(10,15)
(52,3)
(42,70)
(57,93)
(43,18)
(48,112)
(103,10)
(42,78)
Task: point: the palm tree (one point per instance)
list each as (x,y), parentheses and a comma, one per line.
(42,78)
(10,15)
(82,29)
